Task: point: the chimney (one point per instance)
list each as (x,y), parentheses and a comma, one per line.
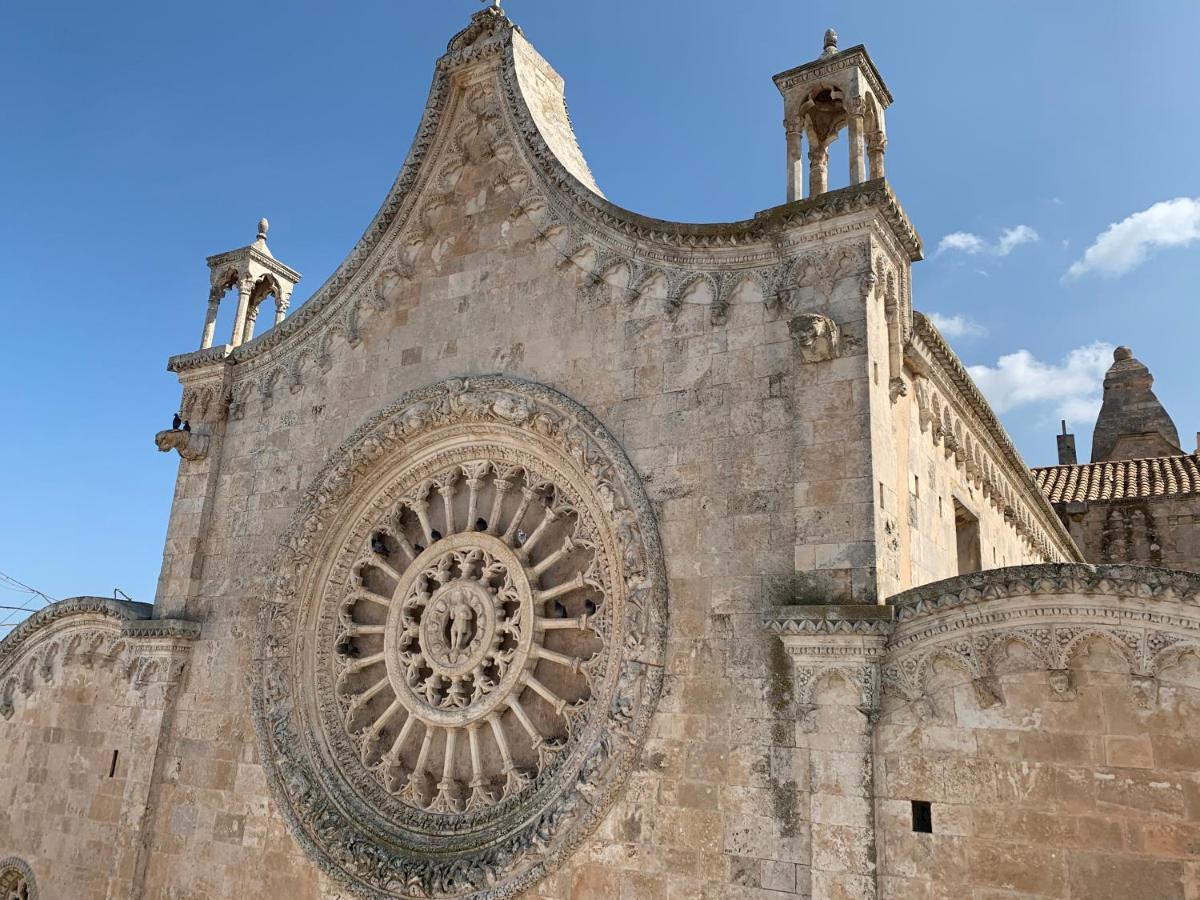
(1066,447)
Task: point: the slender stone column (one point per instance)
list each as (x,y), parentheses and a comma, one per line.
(210,321)
(251,320)
(876,144)
(858,169)
(281,307)
(818,169)
(795,166)
(239,323)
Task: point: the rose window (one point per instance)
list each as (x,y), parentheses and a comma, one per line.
(464,648)
(466,640)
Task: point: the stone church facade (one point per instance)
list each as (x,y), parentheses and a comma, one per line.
(554,551)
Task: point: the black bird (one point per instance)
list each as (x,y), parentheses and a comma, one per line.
(175,422)
(186,426)
(435,534)
(378,546)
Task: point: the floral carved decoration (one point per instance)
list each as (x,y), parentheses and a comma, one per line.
(465,644)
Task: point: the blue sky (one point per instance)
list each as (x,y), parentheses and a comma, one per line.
(140,137)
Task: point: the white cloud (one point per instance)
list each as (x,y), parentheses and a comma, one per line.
(972,244)
(1125,245)
(1072,387)
(1015,237)
(956,326)
(962,240)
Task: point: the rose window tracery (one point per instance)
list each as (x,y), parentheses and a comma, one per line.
(465,644)
(468,635)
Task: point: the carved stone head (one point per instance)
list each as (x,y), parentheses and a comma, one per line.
(817,337)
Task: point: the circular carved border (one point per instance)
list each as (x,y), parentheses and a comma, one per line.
(353,828)
(16,879)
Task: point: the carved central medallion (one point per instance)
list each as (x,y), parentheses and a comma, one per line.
(465,646)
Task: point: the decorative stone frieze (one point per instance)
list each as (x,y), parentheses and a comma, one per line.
(91,632)
(465,643)
(1150,617)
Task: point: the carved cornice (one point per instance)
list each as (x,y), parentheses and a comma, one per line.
(1048,580)
(928,353)
(851,57)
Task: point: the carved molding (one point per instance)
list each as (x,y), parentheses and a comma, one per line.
(397,482)
(91,632)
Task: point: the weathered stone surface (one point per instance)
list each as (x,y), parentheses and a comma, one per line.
(545,551)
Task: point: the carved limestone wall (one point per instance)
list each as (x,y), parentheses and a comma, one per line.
(1045,714)
(85,688)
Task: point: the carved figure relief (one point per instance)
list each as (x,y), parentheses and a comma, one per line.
(465,645)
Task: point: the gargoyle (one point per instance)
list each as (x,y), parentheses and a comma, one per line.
(191,446)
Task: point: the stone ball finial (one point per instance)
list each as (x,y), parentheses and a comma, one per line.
(831,39)
(263,225)
(1122,353)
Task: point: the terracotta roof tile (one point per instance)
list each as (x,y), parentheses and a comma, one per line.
(1126,479)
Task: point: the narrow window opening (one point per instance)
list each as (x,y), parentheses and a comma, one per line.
(112,766)
(876,372)
(939,506)
(917,486)
(882,501)
(993,556)
(966,533)
(922,817)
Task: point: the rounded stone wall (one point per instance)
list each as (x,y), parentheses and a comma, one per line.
(1048,715)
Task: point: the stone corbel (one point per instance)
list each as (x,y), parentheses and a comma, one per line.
(190,444)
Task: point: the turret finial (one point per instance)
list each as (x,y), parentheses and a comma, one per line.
(495,3)
(830,43)
(263,225)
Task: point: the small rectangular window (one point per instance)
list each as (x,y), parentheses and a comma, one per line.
(922,812)
(882,502)
(916,485)
(876,372)
(112,767)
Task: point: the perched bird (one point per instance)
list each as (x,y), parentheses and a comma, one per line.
(186,425)
(378,546)
(175,422)
(435,534)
